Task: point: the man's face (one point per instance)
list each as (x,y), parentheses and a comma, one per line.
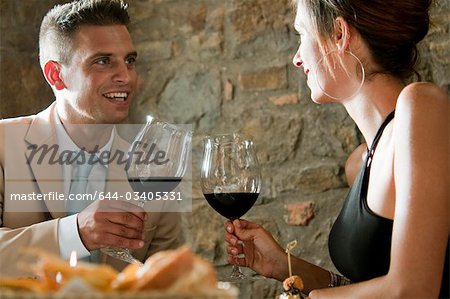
(100,78)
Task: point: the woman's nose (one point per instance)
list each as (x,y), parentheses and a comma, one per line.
(297,61)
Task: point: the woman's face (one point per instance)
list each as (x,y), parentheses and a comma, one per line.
(309,58)
(308,53)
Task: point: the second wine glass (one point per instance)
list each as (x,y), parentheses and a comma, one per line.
(230,177)
(159,157)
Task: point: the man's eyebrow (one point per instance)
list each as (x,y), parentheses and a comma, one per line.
(105,54)
(100,54)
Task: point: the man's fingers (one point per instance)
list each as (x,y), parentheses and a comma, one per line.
(129,220)
(111,240)
(124,232)
(124,207)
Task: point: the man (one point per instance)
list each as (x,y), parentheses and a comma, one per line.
(88,58)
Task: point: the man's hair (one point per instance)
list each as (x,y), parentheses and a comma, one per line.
(62,21)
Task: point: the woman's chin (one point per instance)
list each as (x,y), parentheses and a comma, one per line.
(320,98)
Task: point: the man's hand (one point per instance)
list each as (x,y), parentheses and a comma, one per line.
(112,224)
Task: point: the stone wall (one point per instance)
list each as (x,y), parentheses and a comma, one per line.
(226,66)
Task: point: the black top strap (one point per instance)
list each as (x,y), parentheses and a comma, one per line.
(371,151)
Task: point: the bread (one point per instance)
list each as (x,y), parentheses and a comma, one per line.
(26,284)
(179,270)
(293,282)
(52,273)
(170,272)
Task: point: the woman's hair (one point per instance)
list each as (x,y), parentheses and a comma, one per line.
(61,22)
(391,29)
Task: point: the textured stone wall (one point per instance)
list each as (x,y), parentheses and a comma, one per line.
(226,66)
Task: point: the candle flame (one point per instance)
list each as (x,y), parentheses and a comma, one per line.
(73,259)
(58,278)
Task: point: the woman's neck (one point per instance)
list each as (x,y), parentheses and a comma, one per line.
(377,98)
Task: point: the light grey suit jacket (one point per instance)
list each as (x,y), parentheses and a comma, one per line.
(37,226)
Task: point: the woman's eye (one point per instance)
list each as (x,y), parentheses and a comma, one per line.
(299,37)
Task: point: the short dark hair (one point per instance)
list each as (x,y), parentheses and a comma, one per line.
(61,22)
(391,29)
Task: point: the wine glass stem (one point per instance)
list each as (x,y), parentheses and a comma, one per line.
(141,203)
(236,272)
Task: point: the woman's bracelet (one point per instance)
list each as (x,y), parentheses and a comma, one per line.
(338,280)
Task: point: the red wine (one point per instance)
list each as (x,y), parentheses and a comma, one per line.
(154,184)
(231,205)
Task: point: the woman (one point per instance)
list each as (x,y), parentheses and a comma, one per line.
(391,237)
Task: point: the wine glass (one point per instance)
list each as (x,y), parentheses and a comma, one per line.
(230,177)
(158,159)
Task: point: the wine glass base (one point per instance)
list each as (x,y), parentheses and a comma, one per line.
(244,279)
(121,254)
(237,275)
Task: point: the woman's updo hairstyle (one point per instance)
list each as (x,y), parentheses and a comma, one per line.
(391,29)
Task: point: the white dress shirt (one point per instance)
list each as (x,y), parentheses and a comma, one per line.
(68,236)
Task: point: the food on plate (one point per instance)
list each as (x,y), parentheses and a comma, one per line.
(293,282)
(171,272)
(27,284)
(53,273)
(177,270)
(292,286)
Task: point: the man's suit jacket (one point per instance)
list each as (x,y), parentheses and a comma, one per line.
(36,226)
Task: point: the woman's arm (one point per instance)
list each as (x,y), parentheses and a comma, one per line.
(421,220)
(266,257)
(421,170)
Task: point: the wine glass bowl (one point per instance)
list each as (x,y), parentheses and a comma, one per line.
(230,177)
(158,159)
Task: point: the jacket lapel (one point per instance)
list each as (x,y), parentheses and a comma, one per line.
(47,174)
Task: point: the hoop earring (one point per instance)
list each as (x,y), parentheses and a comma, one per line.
(321,61)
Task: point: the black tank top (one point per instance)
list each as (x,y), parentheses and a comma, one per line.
(360,241)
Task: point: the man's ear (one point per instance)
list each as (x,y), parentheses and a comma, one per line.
(52,74)
(342,34)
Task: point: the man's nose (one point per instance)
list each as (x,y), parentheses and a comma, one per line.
(122,73)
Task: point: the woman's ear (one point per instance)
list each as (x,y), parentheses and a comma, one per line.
(342,34)
(52,74)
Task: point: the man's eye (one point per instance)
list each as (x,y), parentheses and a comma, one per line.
(103,61)
(130,60)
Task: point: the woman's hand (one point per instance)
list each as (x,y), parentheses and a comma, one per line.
(260,250)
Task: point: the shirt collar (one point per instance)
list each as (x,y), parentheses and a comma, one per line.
(66,144)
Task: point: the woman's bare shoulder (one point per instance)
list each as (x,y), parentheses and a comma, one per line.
(422,105)
(423,93)
(421,126)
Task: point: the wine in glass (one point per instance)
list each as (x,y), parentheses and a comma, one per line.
(158,159)
(230,177)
